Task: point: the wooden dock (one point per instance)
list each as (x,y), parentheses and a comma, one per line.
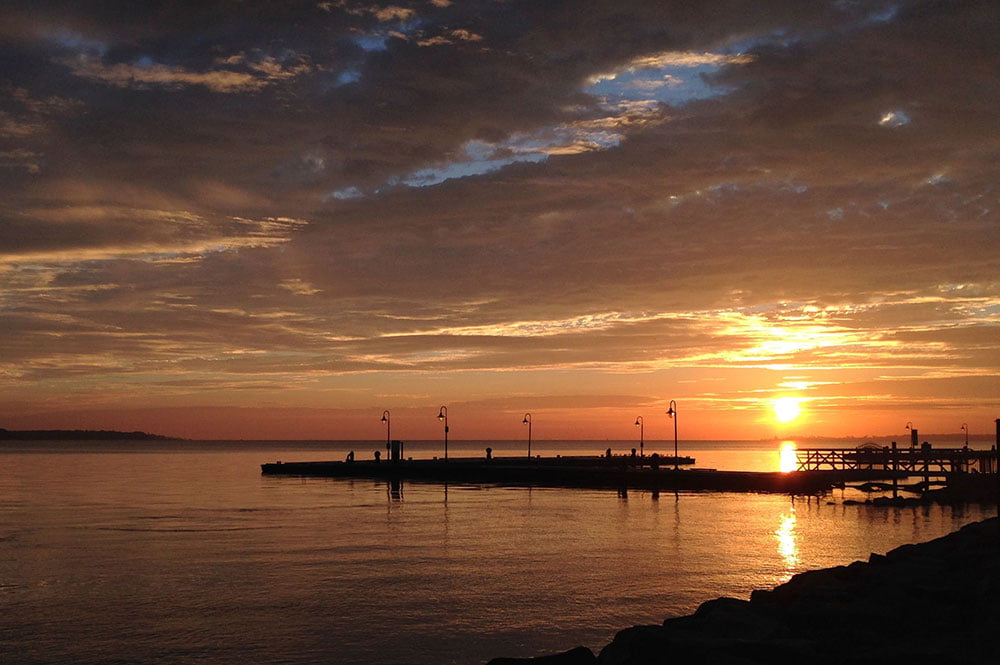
(915,461)
(952,473)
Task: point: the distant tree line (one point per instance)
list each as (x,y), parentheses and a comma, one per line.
(78,435)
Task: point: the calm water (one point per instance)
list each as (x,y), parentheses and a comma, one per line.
(144,553)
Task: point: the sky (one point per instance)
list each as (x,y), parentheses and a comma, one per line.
(256,220)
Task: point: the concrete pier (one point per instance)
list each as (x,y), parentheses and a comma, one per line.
(578,472)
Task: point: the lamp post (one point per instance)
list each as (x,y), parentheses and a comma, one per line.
(965,428)
(638,423)
(443,415)
(385,419)
(672,412)
(527,421)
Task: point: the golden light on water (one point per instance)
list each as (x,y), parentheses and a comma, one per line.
(787,546)
(786,457)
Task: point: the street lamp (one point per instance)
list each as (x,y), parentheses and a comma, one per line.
(965,428)
(443,415)
(527,421)
(672,412)
(638,423)
(385,419)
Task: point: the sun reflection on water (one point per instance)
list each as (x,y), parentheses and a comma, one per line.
(786,457)
(787,545)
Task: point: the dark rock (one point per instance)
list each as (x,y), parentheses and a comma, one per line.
(728,618)
(641,645)
(577,656)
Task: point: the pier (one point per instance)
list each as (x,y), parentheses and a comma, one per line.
(925,460)
(958,474)
(961,473)
(619,473)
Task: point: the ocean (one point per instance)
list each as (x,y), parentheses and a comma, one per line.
(181,552)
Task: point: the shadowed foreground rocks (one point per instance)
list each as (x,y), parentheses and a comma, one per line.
(577,656)
(935,603)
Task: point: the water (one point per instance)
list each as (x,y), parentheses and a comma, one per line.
(184,553)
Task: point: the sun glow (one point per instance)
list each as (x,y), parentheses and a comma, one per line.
(786,409)
(787,459)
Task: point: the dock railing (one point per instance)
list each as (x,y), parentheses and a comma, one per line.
(924,460)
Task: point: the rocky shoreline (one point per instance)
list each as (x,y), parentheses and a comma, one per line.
(935,602)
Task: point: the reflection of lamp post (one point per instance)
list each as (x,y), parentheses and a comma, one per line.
(443,415)
(672,412)
(638,423)
(527,421)
(385,419)
(965,428)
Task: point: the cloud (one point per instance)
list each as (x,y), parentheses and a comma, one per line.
(94,233)
(451,36)
(125,75)
(442,191)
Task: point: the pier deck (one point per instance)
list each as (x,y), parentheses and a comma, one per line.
(577,472)
(917,461)
(952,473)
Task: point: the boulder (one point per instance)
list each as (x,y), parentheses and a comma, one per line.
(577,656)
(637,645)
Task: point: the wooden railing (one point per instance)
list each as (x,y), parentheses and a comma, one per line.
(917,461)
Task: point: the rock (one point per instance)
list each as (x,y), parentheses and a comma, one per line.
(639,645)
(577,656)
(723,632)
(730,619)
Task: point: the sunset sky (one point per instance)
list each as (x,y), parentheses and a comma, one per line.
(277,219)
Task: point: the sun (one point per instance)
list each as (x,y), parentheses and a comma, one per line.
(786,409)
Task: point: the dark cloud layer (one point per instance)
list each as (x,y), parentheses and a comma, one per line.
(225,193)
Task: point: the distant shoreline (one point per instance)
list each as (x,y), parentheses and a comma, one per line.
(79,435)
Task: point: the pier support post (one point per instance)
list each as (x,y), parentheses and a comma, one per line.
(895,471)
(925,452)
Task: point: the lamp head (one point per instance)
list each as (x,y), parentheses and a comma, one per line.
(671,412)
(384,419)
(441,413)
(638,422)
